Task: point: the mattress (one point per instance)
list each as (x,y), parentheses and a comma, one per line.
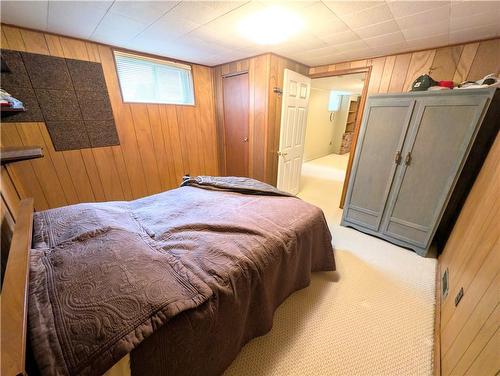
(209,267)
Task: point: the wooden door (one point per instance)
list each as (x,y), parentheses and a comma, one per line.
(296,91)
(438,140)
(381,139)
(236,114)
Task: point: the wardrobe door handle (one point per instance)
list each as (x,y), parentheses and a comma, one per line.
(397,157)
(408,159)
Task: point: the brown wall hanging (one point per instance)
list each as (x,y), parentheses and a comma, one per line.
(69,95)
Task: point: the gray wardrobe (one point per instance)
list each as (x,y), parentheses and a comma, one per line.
(410,152)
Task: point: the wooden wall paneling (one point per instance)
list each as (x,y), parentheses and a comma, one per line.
(76,49)
(420,63)
(472,296)
(160,150)
(445,62)
(108,173)
(54,45)
(472,256)
(260,120)
(205,108)
(14,38)
(200,135)
(277,67)
(466,58)
(189,142)
(343,66)
(43,167)
(7,225)
(5,43)
(9,193)
(173,144)
(488,361)
(475,333)
(125,128)
(60,166)
(219,118)
(22,174)
(144,138)
(358,64)
(34,42)
(376,75)
(251,120)
(486,61)
(398,76)
(121,168)
(385,81)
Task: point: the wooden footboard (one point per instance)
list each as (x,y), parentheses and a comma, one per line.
(15,294)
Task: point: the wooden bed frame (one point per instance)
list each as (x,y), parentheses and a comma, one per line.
(14,311)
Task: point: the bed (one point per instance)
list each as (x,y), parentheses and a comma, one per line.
(179,281)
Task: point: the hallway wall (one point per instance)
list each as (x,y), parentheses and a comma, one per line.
(319,130)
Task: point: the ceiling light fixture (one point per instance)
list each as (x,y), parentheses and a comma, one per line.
(271,25)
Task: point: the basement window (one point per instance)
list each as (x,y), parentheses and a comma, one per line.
(148,80)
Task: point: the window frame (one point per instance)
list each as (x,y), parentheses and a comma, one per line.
(160,59)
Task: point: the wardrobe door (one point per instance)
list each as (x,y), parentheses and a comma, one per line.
(381,137)
(438,141)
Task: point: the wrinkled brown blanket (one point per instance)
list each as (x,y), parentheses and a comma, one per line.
(183,278)
(233,184)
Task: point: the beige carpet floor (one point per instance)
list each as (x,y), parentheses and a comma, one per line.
(373,316)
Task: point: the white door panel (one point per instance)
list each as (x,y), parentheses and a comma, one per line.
(293,130)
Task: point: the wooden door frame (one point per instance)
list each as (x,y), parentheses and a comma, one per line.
(361,108)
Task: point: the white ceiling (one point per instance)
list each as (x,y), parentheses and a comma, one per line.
(352,83)
(205,31)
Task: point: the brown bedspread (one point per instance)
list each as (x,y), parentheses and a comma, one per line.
(185,278)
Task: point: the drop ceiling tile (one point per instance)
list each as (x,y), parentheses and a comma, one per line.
(302,43)
(201,12)
(471,8)
(32,14)
(117,29)
(319,52)
(378,29)
(457,23)
(406,8)
(428,31)
(230,20)
(76,18)
(430,16)
(475,33)
(390,49)
(144,12)
(386,39)
(318,19)
(351,46)
(373,15)
(340,38)
(344,8)
(356,55)
(429,42)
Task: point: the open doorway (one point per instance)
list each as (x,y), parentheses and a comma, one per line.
(334,111)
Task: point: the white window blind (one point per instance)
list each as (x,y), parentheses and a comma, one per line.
(148,80)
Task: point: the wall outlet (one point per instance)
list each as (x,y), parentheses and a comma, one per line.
(459,296)
(444,283)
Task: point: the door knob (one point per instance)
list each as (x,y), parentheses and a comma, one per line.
(397,157)
(408,159)
(282,154)
(245,139)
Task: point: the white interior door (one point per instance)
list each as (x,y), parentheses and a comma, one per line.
(296,89)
